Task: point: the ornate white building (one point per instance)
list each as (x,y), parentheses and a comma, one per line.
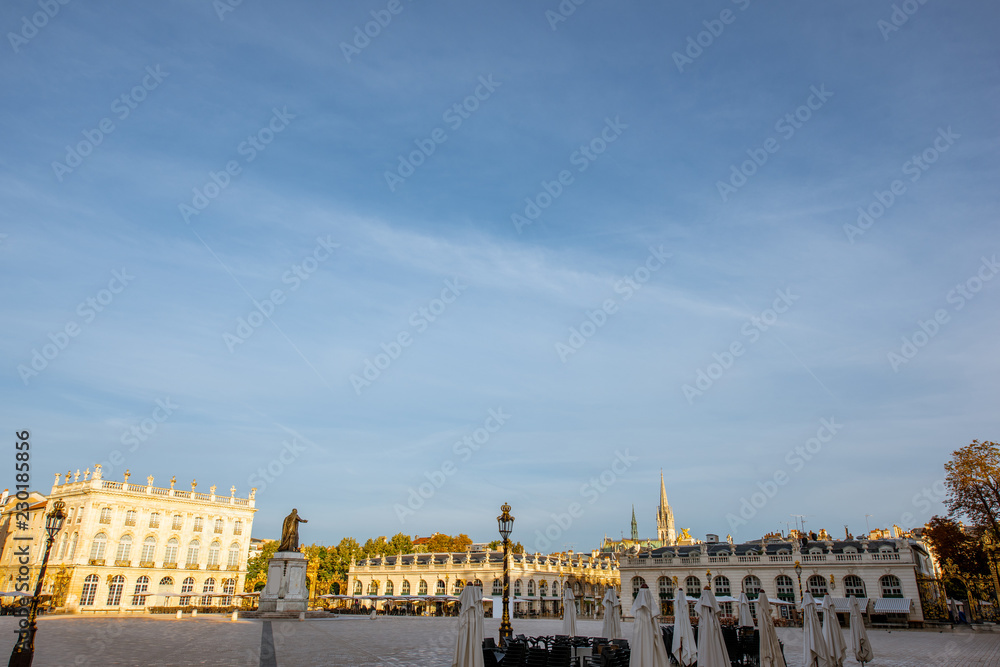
(536,580)
(885,571)
(128,546)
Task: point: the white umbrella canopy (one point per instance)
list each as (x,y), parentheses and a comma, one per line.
(569,612)
(612,627)
(711,646)
(770,649)
(860,646)
(814,651)
(745,617)
(469,648)
(648,649)
(684,648)
(832,634)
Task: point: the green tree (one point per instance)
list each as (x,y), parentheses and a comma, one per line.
(964,548)
(400,544)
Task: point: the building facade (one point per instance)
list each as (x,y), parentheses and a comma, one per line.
(537,581)
(884,571)
(125,546)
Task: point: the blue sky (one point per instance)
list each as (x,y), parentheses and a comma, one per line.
(693,293)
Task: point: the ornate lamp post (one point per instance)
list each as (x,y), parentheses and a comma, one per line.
(24,649)
(798,573)
(506,524)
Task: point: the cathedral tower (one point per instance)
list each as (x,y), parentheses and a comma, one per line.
(665,531)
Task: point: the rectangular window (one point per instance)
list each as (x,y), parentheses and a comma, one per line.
(197,524)
(178,522)
(105,515)
(130,518)
(154,520)
(218,526)
(238,528)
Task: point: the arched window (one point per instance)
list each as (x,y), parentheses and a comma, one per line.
(115,587)
(219,525)
(141,587)
(666,586)
(192,554)
(98,546)
(373,588)
(148,549)
(389,588)
(234,555)
(457,588)
(206,592)
(187,586)
(72,546)
(166,581)
(404,588)
(517,588)
(357,587)
(854,586)
(722,585)
(213,553)
(637,583)
(497,587)
(170,554)
(89,590)
(124,548)
(692,587)
(816,585)
(531,586)
(422,588)
(891,586)
(228,589)
(786,588)
(63,545)
(543,588)
(439,589)
(751,586)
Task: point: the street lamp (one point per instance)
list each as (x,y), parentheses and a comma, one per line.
(798,573)
(506,524)
(24,649)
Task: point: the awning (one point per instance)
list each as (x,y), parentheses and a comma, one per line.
(892,606)
(843,605)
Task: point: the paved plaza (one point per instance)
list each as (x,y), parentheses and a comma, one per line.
(151,641)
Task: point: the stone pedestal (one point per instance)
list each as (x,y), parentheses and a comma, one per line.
(286,588)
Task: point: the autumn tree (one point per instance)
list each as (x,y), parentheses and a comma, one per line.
(973,483)
(461,542)
(257,567)
(400,544)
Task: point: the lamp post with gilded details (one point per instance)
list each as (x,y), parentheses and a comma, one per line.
(506,524)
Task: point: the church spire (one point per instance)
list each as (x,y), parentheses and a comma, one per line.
(663,492)
(635,526)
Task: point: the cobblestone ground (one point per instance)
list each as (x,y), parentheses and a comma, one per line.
(386,642)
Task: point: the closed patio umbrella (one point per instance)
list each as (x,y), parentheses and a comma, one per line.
(860,646)
(684,648)
(832,634)
(814,651)
(711,646)
(612,627)
(569,612)
(648,649)
(745,617)
(469,648)
(770,649)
